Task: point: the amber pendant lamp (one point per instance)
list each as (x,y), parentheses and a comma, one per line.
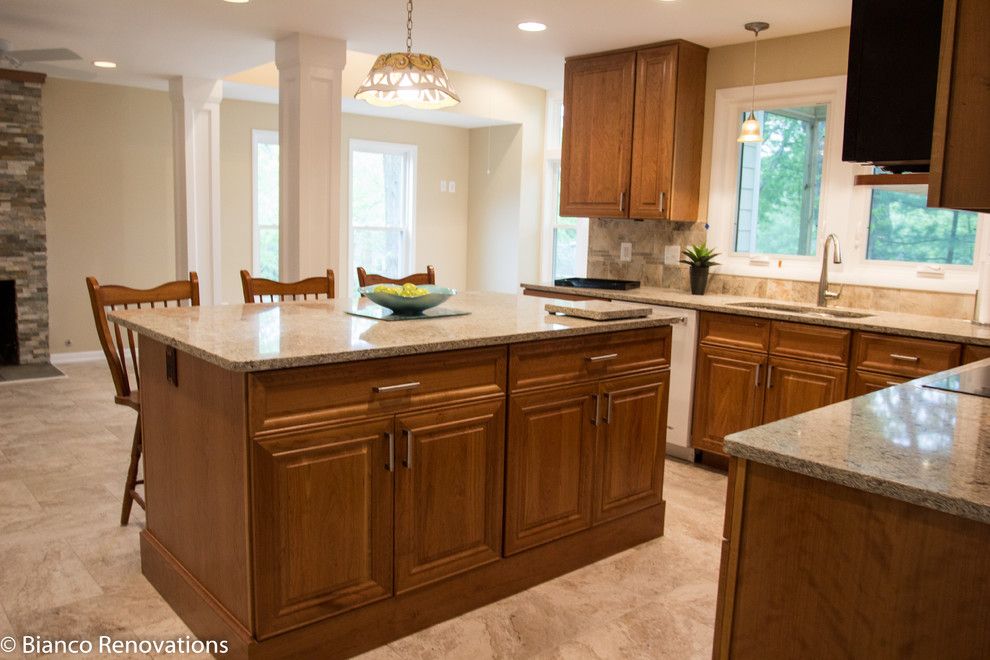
(412,79)
(751,131)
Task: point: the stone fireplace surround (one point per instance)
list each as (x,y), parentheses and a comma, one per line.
(23,242)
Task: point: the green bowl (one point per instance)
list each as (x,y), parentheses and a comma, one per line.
(408,306)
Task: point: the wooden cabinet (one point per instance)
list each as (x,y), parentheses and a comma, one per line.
(587,453)
(797,386)
(864,382)
(597,144)
(297,577)
(975,353)
(448,495)
(880,361)
(728,395)
(633,122)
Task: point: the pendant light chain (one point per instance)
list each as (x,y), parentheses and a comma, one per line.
(409,9)
(756,37)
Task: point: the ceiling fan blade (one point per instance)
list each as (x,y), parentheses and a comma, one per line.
(44,55)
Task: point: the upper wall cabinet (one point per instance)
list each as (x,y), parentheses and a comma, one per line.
(633,122)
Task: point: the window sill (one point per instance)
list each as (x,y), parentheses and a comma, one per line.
(889,277)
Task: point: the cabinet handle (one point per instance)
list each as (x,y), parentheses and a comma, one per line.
(663,196)
(756,382)
(770,376)
(390,466)
(608,407)
(594,420)
(407,463)
(891,383)
(602,358)
(904,358)
(382,389)
(622,202)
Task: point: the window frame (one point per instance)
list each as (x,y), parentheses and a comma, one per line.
(259,136)
(408,256)
(844,208)
(551,156)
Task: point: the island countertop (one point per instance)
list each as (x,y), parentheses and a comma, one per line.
(259,337)
(923,446)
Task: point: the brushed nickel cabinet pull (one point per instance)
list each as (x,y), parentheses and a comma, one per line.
(622,202)
(770,376)
(602,358)
(608,407)
(756,381)
(408,463)
(390,466)
(382,389)
(904,358)
(663,196)
(594,419)
(891,383)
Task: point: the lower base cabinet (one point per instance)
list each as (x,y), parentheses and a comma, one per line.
(864,382)
(728,395)
(796,386)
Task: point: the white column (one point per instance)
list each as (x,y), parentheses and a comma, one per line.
(196,159)
(309,78)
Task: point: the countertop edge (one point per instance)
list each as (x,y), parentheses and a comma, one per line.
(869,483)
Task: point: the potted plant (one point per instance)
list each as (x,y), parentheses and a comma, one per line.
(699,258)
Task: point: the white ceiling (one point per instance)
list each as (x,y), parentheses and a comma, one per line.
(152,40)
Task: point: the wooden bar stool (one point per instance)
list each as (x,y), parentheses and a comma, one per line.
(113,297)
(256,288)
(366,279)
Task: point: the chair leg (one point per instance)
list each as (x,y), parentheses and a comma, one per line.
(130,494)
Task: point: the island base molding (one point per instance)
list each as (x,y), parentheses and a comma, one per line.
(811,568)
(371,626)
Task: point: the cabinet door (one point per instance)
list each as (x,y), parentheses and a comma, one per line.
(794,387)
(549,465)
(322,523)
(864,382)
(448,498)
(597,136)
(653,133)
(728,395)
(631,445)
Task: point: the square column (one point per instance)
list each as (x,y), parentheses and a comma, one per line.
(309,77)
(196,159)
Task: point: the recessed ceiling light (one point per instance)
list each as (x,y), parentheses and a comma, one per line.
(532,26)
(103,64)
(238,2)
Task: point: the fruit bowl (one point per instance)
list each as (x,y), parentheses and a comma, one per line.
(411,301)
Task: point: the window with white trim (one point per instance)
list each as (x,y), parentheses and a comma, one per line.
(382,207)
(264,168)
(565,240)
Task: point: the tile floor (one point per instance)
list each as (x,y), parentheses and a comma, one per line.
(69,571)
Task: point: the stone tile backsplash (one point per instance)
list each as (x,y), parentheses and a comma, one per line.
(649,238)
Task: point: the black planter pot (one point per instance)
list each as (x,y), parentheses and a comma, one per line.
(699,280)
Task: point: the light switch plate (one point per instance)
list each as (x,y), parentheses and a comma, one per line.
(443,186)
(452,186)
(671,255)
(625,251)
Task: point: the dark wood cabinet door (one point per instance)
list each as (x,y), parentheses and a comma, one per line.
(322,523)
(549,465)
(448,500)
(597,135)
(631,445)
(653,133)
(728,395)
(794,387)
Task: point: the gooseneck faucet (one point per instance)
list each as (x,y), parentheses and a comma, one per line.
(823,293)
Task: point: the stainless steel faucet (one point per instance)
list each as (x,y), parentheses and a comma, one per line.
(823,293)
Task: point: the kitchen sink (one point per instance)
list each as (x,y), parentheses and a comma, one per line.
(823,312)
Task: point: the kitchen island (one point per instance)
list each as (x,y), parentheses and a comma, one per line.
(861,530)
(319,484)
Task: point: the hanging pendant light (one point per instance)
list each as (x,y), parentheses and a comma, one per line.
(751,130)
(413,79)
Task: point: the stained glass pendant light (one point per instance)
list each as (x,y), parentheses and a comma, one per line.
(413,79)
(751,130)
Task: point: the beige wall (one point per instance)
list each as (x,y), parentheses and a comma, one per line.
(108,187)
(803,56)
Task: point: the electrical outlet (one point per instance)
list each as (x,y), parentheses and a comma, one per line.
(625,251)
(452,186)
(671,255)
(443,186)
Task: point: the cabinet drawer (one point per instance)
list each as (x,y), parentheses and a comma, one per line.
(864,382)
(973,353)
(810,342)
(315,395)
(903,356)
(575,359)
(733,331)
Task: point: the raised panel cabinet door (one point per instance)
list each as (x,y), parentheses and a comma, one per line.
(322,523)
(551,444)
(448,499)
(864,382)
(728,395)
(597,135)
(794,387)
(631,445)
(653,133)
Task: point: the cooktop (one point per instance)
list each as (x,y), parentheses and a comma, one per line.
(974,381)
(596,283)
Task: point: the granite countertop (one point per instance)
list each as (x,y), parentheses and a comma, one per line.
(259,337)
(920,445)
(910,325)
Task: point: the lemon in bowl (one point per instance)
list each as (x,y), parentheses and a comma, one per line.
(407,299)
